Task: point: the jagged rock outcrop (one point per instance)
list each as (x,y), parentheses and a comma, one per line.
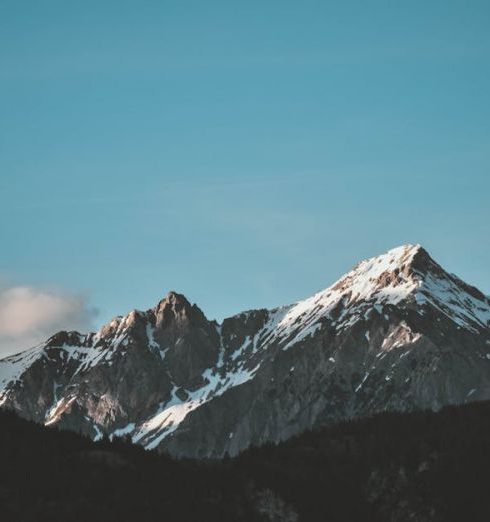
(395,333)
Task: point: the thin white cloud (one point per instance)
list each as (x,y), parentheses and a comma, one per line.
(30,315)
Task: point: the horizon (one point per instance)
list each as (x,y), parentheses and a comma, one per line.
(219,321)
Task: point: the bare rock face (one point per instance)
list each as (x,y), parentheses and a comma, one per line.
(190,341)
(395,333)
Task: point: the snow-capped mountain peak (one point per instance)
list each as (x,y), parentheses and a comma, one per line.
(382,280)
(406,273)
(391,276)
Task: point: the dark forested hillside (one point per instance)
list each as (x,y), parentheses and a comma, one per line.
(392,467)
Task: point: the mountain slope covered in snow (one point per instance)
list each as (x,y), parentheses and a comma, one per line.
(397,332)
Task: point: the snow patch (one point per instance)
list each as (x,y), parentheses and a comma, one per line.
(171,414)
(12,368)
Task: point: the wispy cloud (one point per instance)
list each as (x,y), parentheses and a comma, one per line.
(29,315)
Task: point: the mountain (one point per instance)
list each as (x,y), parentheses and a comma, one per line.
(397,333)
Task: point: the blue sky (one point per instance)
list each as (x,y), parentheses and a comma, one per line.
(243,153)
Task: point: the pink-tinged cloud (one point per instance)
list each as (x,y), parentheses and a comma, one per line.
(30,315)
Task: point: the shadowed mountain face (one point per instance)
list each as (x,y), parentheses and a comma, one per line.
(395,333)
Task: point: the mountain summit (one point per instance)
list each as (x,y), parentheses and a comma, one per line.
(397,332)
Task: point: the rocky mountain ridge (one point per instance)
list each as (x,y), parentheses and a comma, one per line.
(395,333)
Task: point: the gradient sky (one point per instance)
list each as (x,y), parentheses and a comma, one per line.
(243,153)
